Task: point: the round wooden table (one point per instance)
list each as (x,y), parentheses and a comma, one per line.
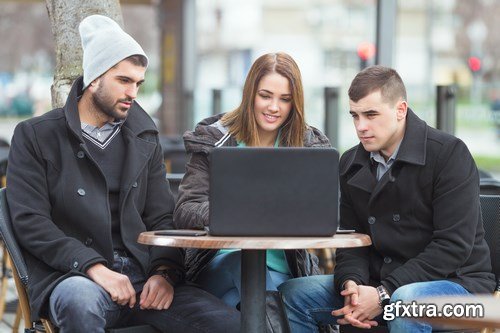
(489,303)
(253,262)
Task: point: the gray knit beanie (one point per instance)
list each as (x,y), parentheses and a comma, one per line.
(104,45)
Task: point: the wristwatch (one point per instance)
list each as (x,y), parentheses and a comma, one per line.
(383,296)
(170,274)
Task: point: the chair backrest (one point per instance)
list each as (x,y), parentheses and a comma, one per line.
(174,179)
(10,240)
(489,186)
(490,210)
(174,153)
(16,257)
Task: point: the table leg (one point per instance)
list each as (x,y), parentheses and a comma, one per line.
(253,291)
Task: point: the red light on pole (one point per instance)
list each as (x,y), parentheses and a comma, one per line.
(474,64)
(366,51)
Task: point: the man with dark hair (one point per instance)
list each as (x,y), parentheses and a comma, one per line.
(83,181)
(415,191)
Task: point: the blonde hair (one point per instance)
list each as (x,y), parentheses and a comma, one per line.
(241,121)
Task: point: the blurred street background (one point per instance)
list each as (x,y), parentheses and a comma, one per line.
(201,50)
(449,42)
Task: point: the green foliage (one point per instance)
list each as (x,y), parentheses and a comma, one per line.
(488,163)
(151,83)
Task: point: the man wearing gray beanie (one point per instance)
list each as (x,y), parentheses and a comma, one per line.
(84,181)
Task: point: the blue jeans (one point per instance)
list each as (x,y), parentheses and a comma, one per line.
(410,292)
(222,278)
(310,300)
(77,304)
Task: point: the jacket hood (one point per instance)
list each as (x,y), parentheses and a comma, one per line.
(210,133)
(206,135)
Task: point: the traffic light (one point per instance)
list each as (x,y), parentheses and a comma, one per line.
(366,51)
(474,64)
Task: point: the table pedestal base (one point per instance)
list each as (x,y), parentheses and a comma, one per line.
(253,291)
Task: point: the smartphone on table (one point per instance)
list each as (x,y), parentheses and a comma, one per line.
(345,231)
(180,232)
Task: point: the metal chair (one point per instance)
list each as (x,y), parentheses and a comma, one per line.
(174,179)
(20,274)
(489,186)
(174,153)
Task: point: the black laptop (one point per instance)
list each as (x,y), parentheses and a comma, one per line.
(273,191)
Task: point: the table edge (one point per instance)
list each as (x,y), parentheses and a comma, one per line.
(213,242)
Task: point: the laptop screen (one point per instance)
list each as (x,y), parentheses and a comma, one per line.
(273,191)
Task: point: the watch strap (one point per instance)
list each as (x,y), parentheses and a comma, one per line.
(383,296)
(169,274)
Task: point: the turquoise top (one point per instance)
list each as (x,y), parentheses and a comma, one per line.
(275,259)
(276,142)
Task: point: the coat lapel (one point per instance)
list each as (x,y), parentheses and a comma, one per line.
(386,178)
(413,148)
(71,109)
(138,150)
(412,151)
(363,178)
(137,154)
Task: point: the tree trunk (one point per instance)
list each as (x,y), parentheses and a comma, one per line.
(65,16)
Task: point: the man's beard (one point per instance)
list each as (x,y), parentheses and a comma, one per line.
(104,103)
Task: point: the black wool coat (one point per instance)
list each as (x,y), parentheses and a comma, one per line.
(423,216)
(58,198)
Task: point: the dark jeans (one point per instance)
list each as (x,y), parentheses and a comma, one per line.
(77,304)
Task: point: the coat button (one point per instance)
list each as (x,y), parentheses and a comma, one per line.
(134,184)
(75,264)
(387,260)
(80,154)
(81,192)
(371,220)
(396,218)
(88,241)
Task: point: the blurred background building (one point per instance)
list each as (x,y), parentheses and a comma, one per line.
(447,42)
(201,50)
